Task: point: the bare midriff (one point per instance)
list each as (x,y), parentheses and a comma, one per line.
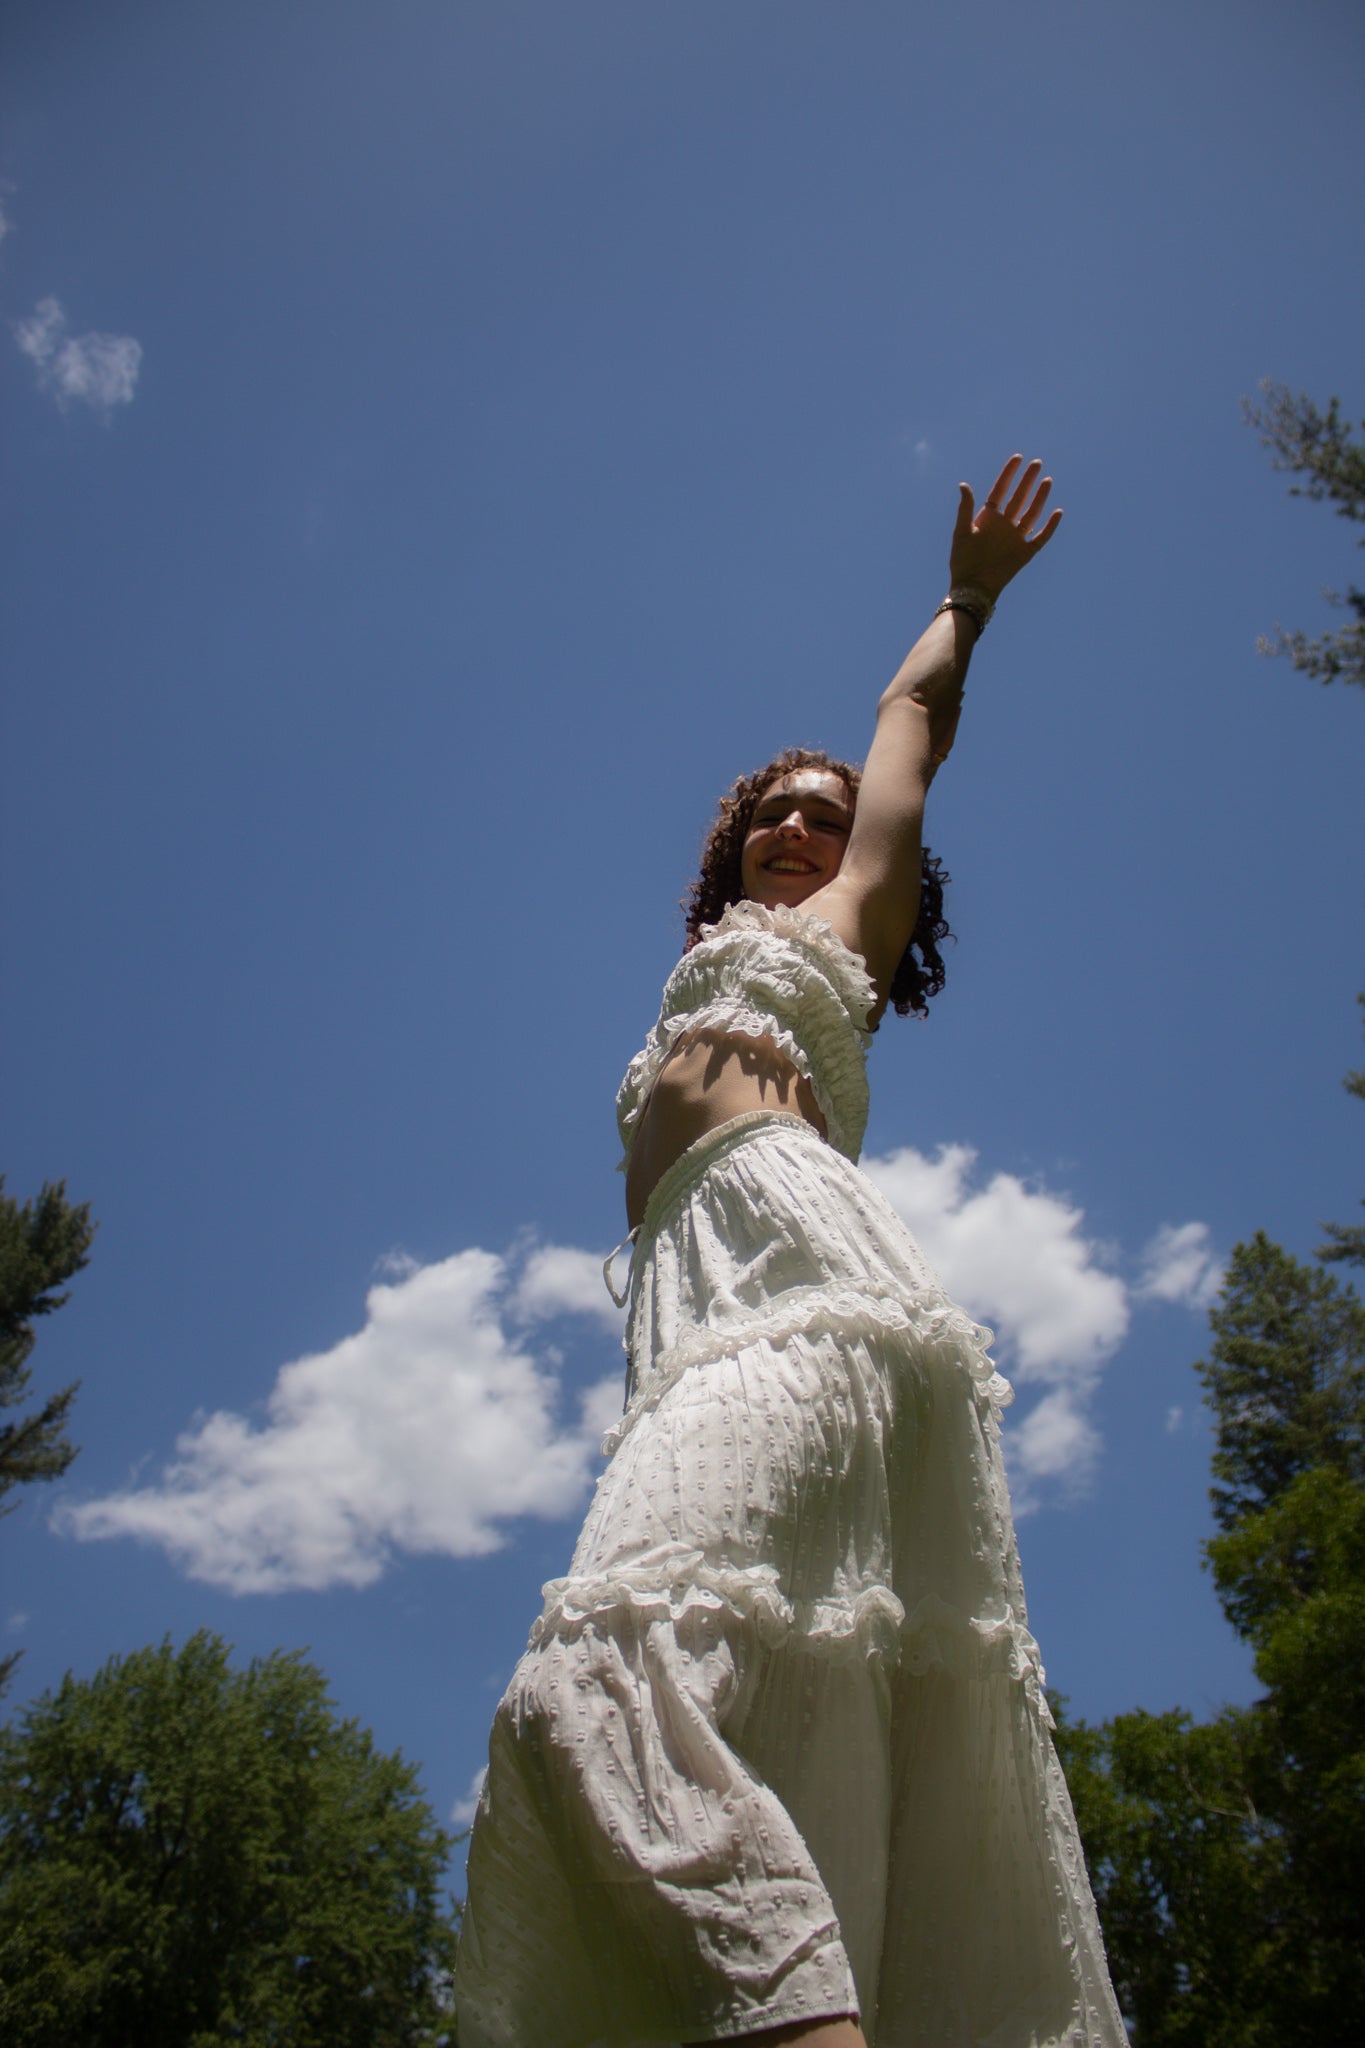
(712,1078)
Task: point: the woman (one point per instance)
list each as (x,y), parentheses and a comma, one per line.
(775,1766)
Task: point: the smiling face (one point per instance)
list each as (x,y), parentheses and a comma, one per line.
(797,837)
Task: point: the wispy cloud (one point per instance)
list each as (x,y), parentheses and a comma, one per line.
(98,370)
(919,450)
(1179,1264)
(426,1430)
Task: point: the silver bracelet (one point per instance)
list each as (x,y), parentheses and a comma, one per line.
(964,598)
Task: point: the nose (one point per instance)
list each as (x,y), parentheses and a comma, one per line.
(793,826)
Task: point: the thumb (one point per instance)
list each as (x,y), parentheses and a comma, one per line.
(966,512)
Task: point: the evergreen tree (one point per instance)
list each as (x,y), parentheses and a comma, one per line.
(43,1244)
(192,1856)
(1316,445)
(1285,1378)
(1229,1858)
(1347,1240)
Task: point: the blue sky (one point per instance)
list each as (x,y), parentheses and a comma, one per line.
(446,444)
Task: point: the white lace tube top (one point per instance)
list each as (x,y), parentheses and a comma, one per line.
(776,974)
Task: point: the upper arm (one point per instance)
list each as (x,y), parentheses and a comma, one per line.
(873,901)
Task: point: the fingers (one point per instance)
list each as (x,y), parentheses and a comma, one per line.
(1033,512)
(993,541)
(1020,497)
(1040,540)
(1039,499)
(1026,501)
(995,496)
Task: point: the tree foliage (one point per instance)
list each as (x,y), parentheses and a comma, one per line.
(192,1856)
(1318,446)
(1347,1240)
(1229,1858)
(1285,1378)
(1187,1872)
(43,1244)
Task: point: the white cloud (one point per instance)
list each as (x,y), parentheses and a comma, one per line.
(1174,1418)
(98,370)
(442,1418)
(424,1431)
(38,335)
(17,1623)
(4,223)
(558,1280)
(1015,1256)
(1056,1441)
(1018,1258)
(463,1811)
(1179,1264)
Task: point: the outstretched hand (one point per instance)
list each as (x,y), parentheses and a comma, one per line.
(992,545)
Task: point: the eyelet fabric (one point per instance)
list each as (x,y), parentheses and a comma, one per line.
(778,1748)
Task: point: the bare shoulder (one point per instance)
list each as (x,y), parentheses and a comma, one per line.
(874,919)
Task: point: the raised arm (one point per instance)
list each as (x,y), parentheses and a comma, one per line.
(873,901)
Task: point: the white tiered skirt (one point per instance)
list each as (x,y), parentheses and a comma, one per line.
(778,1749)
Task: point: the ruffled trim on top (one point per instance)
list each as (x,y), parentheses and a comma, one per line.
(845,968)
(736,1017)
(937,1326)
(775,974)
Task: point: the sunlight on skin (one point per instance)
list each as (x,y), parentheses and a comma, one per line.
(798,837)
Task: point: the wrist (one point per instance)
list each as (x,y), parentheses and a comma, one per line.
(972,598)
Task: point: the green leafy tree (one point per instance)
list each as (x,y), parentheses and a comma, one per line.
(193,1856)
(43,1244)
(1229,1858)
(1318,447)
(1187,1873)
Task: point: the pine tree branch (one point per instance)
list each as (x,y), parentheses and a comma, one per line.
(1317,445)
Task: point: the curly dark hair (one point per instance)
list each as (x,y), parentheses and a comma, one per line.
(921,972)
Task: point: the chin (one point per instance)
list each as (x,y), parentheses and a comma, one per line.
(791,891)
